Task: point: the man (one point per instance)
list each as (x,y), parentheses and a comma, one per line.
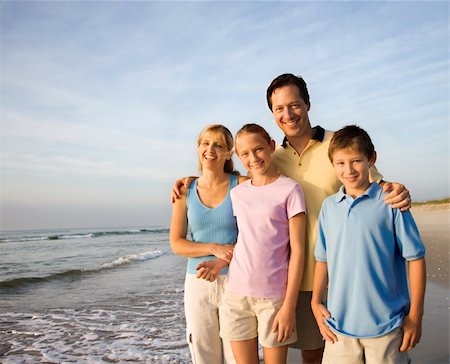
(303,156)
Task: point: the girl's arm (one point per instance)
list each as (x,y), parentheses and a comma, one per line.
(210,269)
(412,323)
(178,230)
(285,321)
(318,308)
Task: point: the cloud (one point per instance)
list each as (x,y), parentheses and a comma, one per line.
(104,100)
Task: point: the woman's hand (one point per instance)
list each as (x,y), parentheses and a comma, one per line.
(210,269)
(223,251)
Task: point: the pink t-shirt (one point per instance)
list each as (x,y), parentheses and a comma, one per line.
(261,257)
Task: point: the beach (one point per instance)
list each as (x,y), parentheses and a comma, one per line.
(116,295)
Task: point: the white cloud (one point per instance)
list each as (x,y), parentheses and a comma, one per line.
(96,95)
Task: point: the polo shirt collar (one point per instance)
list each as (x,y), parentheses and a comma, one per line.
(319,134)
(374,192)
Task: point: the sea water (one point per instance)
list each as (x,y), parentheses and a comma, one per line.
(91,296)
(116,296)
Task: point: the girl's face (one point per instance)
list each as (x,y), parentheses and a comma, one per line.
(254,152)
(212,151)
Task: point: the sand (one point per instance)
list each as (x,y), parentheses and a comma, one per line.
(433,222)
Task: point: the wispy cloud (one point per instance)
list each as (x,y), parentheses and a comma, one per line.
(100,94)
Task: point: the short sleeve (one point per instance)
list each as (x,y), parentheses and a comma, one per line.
(320,250)
(295,203)
(407,236)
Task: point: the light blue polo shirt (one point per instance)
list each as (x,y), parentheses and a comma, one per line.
(365,244)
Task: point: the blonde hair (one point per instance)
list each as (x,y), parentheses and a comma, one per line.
(227,139)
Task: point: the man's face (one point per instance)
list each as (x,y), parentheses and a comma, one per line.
(290,111)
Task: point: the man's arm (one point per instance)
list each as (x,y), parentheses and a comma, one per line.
(412,323)
(182,182)
(398,195)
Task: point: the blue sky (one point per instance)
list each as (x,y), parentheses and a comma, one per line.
(102,102)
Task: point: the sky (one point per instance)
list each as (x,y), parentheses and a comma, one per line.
(101,102)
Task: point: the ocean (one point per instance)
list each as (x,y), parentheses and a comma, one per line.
(91,296)
(116,296)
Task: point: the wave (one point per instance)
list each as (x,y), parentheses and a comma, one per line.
(81,235)
(79,273)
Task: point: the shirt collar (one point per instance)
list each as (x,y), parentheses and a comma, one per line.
(319,134)
(374,191)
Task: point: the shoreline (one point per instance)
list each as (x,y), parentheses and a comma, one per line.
(433,221)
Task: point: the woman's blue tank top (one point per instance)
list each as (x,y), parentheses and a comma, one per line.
(210,225)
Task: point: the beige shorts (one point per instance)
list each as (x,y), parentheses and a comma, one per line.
(244,318)
(350,350)
(308,334)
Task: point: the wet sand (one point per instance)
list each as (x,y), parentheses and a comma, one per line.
(433,222)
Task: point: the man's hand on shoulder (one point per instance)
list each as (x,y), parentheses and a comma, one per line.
(176,189)
(398,196)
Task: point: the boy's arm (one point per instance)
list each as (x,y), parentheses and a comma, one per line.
(412,323)
(319,310)
(284,321)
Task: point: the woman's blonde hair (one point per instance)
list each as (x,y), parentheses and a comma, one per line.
(227,139)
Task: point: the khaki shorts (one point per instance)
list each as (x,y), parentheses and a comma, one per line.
(350,350)
(308,334)
(244,318)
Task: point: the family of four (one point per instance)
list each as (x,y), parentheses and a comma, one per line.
(309,252)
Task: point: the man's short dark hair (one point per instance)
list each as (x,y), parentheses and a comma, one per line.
(284,80)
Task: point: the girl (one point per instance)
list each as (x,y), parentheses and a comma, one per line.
(206,207)
(266,270)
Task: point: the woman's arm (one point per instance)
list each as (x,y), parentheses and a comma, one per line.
(178,230)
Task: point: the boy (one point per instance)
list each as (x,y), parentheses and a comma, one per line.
(360,251)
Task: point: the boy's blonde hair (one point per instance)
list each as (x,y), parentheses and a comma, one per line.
(353,137)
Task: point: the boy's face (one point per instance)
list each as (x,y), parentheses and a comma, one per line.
(352,169)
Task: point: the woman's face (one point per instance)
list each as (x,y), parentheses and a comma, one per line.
(213,151)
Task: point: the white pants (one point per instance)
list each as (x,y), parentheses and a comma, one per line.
(201,304)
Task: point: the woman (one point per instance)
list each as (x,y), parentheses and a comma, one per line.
(205,207)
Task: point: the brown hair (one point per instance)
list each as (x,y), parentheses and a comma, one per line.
(285,80)
(353,137)
(254,129)
(227,139)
